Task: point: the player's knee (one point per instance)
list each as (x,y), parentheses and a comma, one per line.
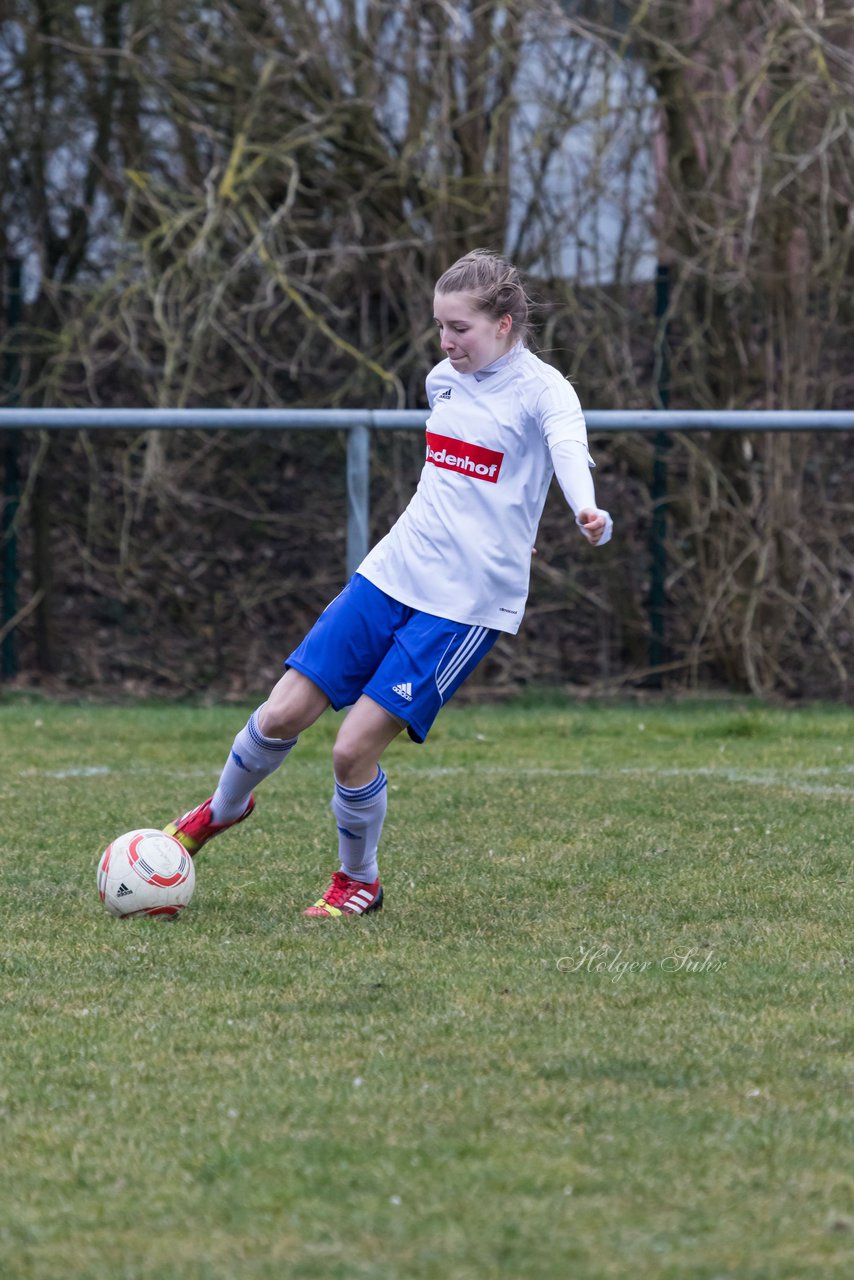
(343,758)
(349,760)
(293,705)
(277,722)
(281,716)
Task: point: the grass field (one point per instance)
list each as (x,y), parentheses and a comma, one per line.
(602,1029)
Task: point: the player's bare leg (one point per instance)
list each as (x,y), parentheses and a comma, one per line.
(295,702)
(363,737)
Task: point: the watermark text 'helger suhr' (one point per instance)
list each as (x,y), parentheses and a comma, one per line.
(613,961)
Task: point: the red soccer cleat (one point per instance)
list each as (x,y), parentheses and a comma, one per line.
(196,827)
(346,897)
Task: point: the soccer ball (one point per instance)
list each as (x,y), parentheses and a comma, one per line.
(145,873)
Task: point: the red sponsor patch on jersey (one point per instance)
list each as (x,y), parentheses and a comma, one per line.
(469,459)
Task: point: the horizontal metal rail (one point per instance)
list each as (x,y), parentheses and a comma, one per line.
(360,422)
(92,419)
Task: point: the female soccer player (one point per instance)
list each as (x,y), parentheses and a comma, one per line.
(429,601)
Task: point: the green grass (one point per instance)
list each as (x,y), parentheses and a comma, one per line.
(602,1029)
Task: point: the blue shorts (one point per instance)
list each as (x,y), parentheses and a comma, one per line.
(409,662)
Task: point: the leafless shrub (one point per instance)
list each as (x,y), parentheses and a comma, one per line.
(247,205)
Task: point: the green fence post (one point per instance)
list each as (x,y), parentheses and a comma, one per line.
(11,472)
(658,532)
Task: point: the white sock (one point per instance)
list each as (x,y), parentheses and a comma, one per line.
(253,758)
(360,813)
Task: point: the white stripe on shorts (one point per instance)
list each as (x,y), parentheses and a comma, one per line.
(459,660)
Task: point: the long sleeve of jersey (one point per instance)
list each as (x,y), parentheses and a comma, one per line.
(571,462)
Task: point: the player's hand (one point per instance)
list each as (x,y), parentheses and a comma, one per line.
(596,525)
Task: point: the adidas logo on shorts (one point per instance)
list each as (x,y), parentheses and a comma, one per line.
(403,691)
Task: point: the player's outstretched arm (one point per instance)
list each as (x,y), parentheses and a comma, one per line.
(572,468)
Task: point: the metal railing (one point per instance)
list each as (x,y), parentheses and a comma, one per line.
(359,423)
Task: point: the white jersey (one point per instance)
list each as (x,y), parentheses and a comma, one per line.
(462,548)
